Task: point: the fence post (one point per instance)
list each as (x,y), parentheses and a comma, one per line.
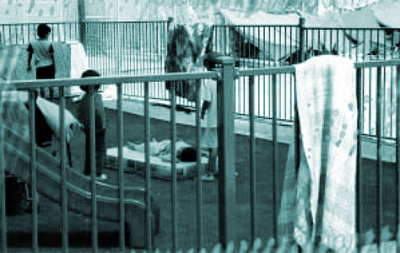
(301,56)
(226,150)
(81,21)
(170,20)
(302,39)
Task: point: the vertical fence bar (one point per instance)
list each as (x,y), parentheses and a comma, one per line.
(121,168)
(269,44)
(148,169)
(199,194)
(259,78)
(226,151)
(358,159)
(2,179)
(378,154)
(285,82)
(337,42)
(146,54)
(274,153)
(64,196)
(173,166)
(32,137)
(370,101)
(291,82)
(252,159)
(81,20)
(398,153)
(93,169)
(296,112)
(116,34)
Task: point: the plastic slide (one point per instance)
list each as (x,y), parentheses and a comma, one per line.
(17,162)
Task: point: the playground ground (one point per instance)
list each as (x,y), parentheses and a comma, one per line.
(19,227)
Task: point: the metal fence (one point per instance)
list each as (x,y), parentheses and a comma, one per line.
(129,212)
(124,48)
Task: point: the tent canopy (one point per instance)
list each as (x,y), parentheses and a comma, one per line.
(387,13)
(277,35)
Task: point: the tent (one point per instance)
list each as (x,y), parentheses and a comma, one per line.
(272,37)
(276,36)
(387,13)
(370,40)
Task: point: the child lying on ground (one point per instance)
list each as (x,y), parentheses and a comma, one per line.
(162,149)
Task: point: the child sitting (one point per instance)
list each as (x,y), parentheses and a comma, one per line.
(100,126)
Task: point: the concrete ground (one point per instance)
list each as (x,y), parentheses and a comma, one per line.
(263,127)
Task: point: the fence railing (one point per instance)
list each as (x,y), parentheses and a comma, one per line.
(228,208)
(125,48)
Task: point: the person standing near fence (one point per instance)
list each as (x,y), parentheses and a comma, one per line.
(43,51)
(100,126)
(209,138)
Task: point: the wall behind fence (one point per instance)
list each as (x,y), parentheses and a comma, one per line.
(37,11)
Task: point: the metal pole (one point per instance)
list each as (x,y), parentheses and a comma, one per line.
(93,169)
(359,73)
(253,198)
(274,153)
(226,151)
(32,144)
(3,217)
(379,174)
(64,196)
(81,21)
(199,195)
(398,153)
(121,169)
(147,133)
(173,169)
(296,114)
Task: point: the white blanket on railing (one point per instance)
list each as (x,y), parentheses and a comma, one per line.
(326,98)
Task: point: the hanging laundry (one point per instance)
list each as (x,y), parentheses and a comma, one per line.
(326,100)
(186,44)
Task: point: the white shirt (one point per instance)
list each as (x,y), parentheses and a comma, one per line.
(209,93)
(42,51)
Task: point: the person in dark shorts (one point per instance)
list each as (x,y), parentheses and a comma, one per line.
(100,126)
(42,50)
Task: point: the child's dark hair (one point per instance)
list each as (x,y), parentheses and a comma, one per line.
(90,73)
(43,30)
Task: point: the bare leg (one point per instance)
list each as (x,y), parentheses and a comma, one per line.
(212,161)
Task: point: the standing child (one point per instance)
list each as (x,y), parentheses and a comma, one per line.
(100,127)
(209,139)
(43,51)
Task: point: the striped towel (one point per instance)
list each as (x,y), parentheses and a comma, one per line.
(326,98)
